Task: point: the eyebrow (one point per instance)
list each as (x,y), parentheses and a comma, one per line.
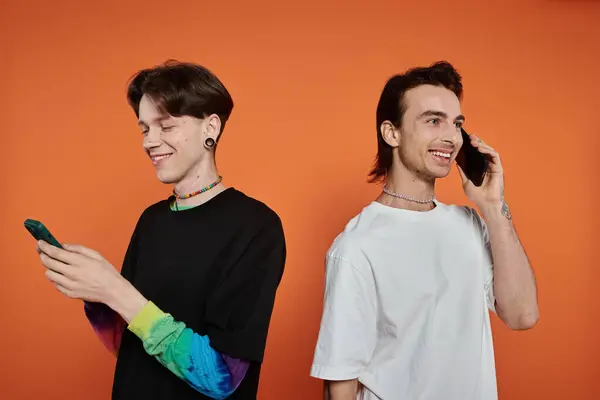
(441,114)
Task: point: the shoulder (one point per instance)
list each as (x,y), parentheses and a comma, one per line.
(468,217)
(462,213)
(253,221)
(255,209)
(346,262)
(471,215)
(259,231)
(156,208)
(253,212)
(151,212)
(348,246)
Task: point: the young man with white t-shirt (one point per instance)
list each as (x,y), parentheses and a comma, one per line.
(410,279)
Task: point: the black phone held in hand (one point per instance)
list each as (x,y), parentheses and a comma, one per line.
(471,161)
(40,232)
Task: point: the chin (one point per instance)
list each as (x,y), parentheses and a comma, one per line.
(166,177)
(438,173)
(443,174)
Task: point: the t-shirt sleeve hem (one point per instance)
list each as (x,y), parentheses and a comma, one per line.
(334,373)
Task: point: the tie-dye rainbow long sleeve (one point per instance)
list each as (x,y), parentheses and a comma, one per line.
(185,353)
(107,324)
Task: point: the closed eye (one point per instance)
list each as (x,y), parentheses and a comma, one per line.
(167,128)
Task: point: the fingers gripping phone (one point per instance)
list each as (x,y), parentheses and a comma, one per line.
(40,232)
(471,161)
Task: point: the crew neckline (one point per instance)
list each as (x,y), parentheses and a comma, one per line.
(403,212)
(212,200)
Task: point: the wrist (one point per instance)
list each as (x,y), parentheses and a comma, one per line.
(490,209)
(126,300)
(497,209)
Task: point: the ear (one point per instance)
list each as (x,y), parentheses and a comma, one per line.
(213,127)
(390,134)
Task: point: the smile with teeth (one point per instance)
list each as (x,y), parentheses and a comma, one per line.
(440,154)
(159,157)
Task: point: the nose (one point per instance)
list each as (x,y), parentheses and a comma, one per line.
(452,136)
(151,139)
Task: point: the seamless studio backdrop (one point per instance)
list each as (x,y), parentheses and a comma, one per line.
(305,78)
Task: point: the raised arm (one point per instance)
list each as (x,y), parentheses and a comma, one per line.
(514,281)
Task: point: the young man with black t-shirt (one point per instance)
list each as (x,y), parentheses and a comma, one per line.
(189,314)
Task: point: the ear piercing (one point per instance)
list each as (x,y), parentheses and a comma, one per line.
(209,143)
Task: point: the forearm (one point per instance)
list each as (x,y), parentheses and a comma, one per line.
(340,390)
(187,354)
(514,281)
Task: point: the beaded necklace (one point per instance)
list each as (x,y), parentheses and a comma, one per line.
(188,195)
(204,189)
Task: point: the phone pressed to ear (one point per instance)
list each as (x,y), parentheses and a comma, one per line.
(471,161)
(40,232)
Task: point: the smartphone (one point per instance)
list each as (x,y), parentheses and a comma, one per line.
(40,232)
(471,161)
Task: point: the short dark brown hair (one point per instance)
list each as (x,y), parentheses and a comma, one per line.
(181,88)
(391,106)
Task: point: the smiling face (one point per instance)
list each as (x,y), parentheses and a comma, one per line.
(175,145)
(429,137)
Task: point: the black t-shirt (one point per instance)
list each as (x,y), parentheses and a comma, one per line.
(216,268)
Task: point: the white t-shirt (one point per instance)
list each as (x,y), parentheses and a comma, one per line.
(406,305)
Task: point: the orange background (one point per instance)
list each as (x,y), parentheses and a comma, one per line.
(305,77)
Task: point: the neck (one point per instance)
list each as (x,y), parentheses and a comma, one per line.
(202,175)
(407,183)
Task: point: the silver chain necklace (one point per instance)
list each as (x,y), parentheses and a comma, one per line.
(406,197)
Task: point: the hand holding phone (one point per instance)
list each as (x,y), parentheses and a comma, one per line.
(40,232)
(471,161)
